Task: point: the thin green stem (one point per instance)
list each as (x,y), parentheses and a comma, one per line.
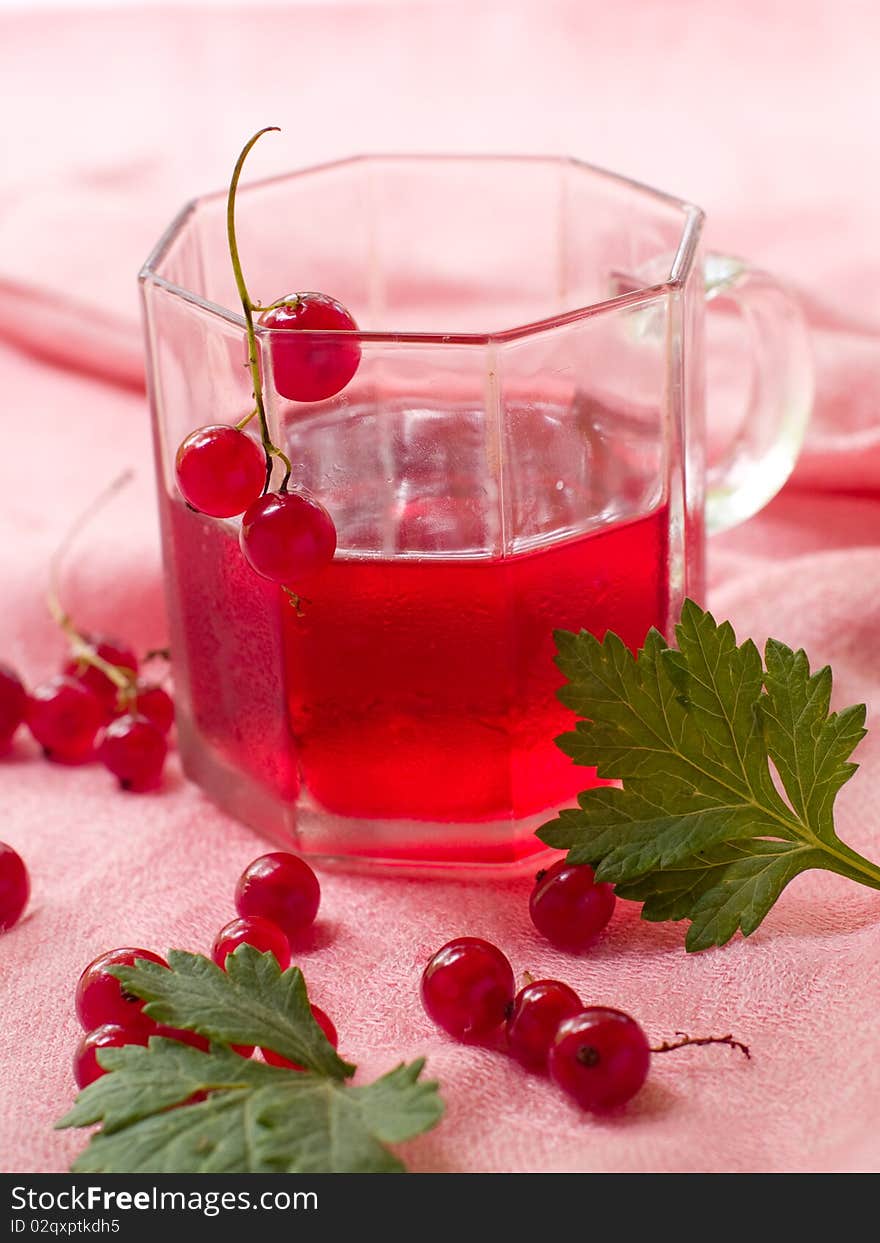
(288,469)
(288,303)
(242,423)
(81,649)
(270,449)
(850,861)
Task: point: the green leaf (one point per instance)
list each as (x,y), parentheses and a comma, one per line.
(809,745)
(700,737)
(344,1129)
(251,1002)
(256,1118)
(744,893)
(672,893)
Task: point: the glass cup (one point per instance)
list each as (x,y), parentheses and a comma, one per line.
(522,447)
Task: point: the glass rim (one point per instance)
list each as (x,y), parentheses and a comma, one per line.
(679,268)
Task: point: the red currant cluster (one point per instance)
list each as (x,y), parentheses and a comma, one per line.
(224,472)
(599,1056)
(276,898)
(97,707)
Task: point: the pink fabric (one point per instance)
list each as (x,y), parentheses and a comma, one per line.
(765,114)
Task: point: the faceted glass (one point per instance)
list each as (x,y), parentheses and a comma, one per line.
(520,449)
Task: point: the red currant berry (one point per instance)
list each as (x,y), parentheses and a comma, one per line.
(13,704)
(220,470)
(538,1009)
(467,988)
(569,907)
(134,751)
(155,704)
(281,888)
(600,1057)
(195,1039)
(308,363)
(260,933)
(115,653)
(109,1036)
(100,997)
(15,886)
(326,1026)
(64,716)
(287,537)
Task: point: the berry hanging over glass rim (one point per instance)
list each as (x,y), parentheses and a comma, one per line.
(309,362)
(223,471)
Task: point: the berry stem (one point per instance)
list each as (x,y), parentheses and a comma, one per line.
(668,1046)
(270,448)
(287,303)
(79,645)
(242,423)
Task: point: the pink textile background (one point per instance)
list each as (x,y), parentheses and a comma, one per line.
(766,114)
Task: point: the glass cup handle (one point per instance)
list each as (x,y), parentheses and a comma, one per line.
(763,452)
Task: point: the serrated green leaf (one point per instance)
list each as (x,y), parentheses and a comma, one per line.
(154,1079)
(669,841)
(699,829)
(809,745)
(207,1138)
(744,893)
(353,1124)
(649,718)
(723,684)
(258,1119)
(251,1002)
(672,893)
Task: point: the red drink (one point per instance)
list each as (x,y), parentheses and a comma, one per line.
(418,689)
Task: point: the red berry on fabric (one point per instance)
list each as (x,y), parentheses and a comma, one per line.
(538,1010)
(108,1036)
(600,1057)
(195,1039)
(467,988)
(100,998)
(13,704)
(114,652)
(15,887)
(64,716)
(155,704)
(309,363)
(253,930)
(326,1025)
(134,751)
(281,888)
(287,537)
(569,907)
(220,470)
